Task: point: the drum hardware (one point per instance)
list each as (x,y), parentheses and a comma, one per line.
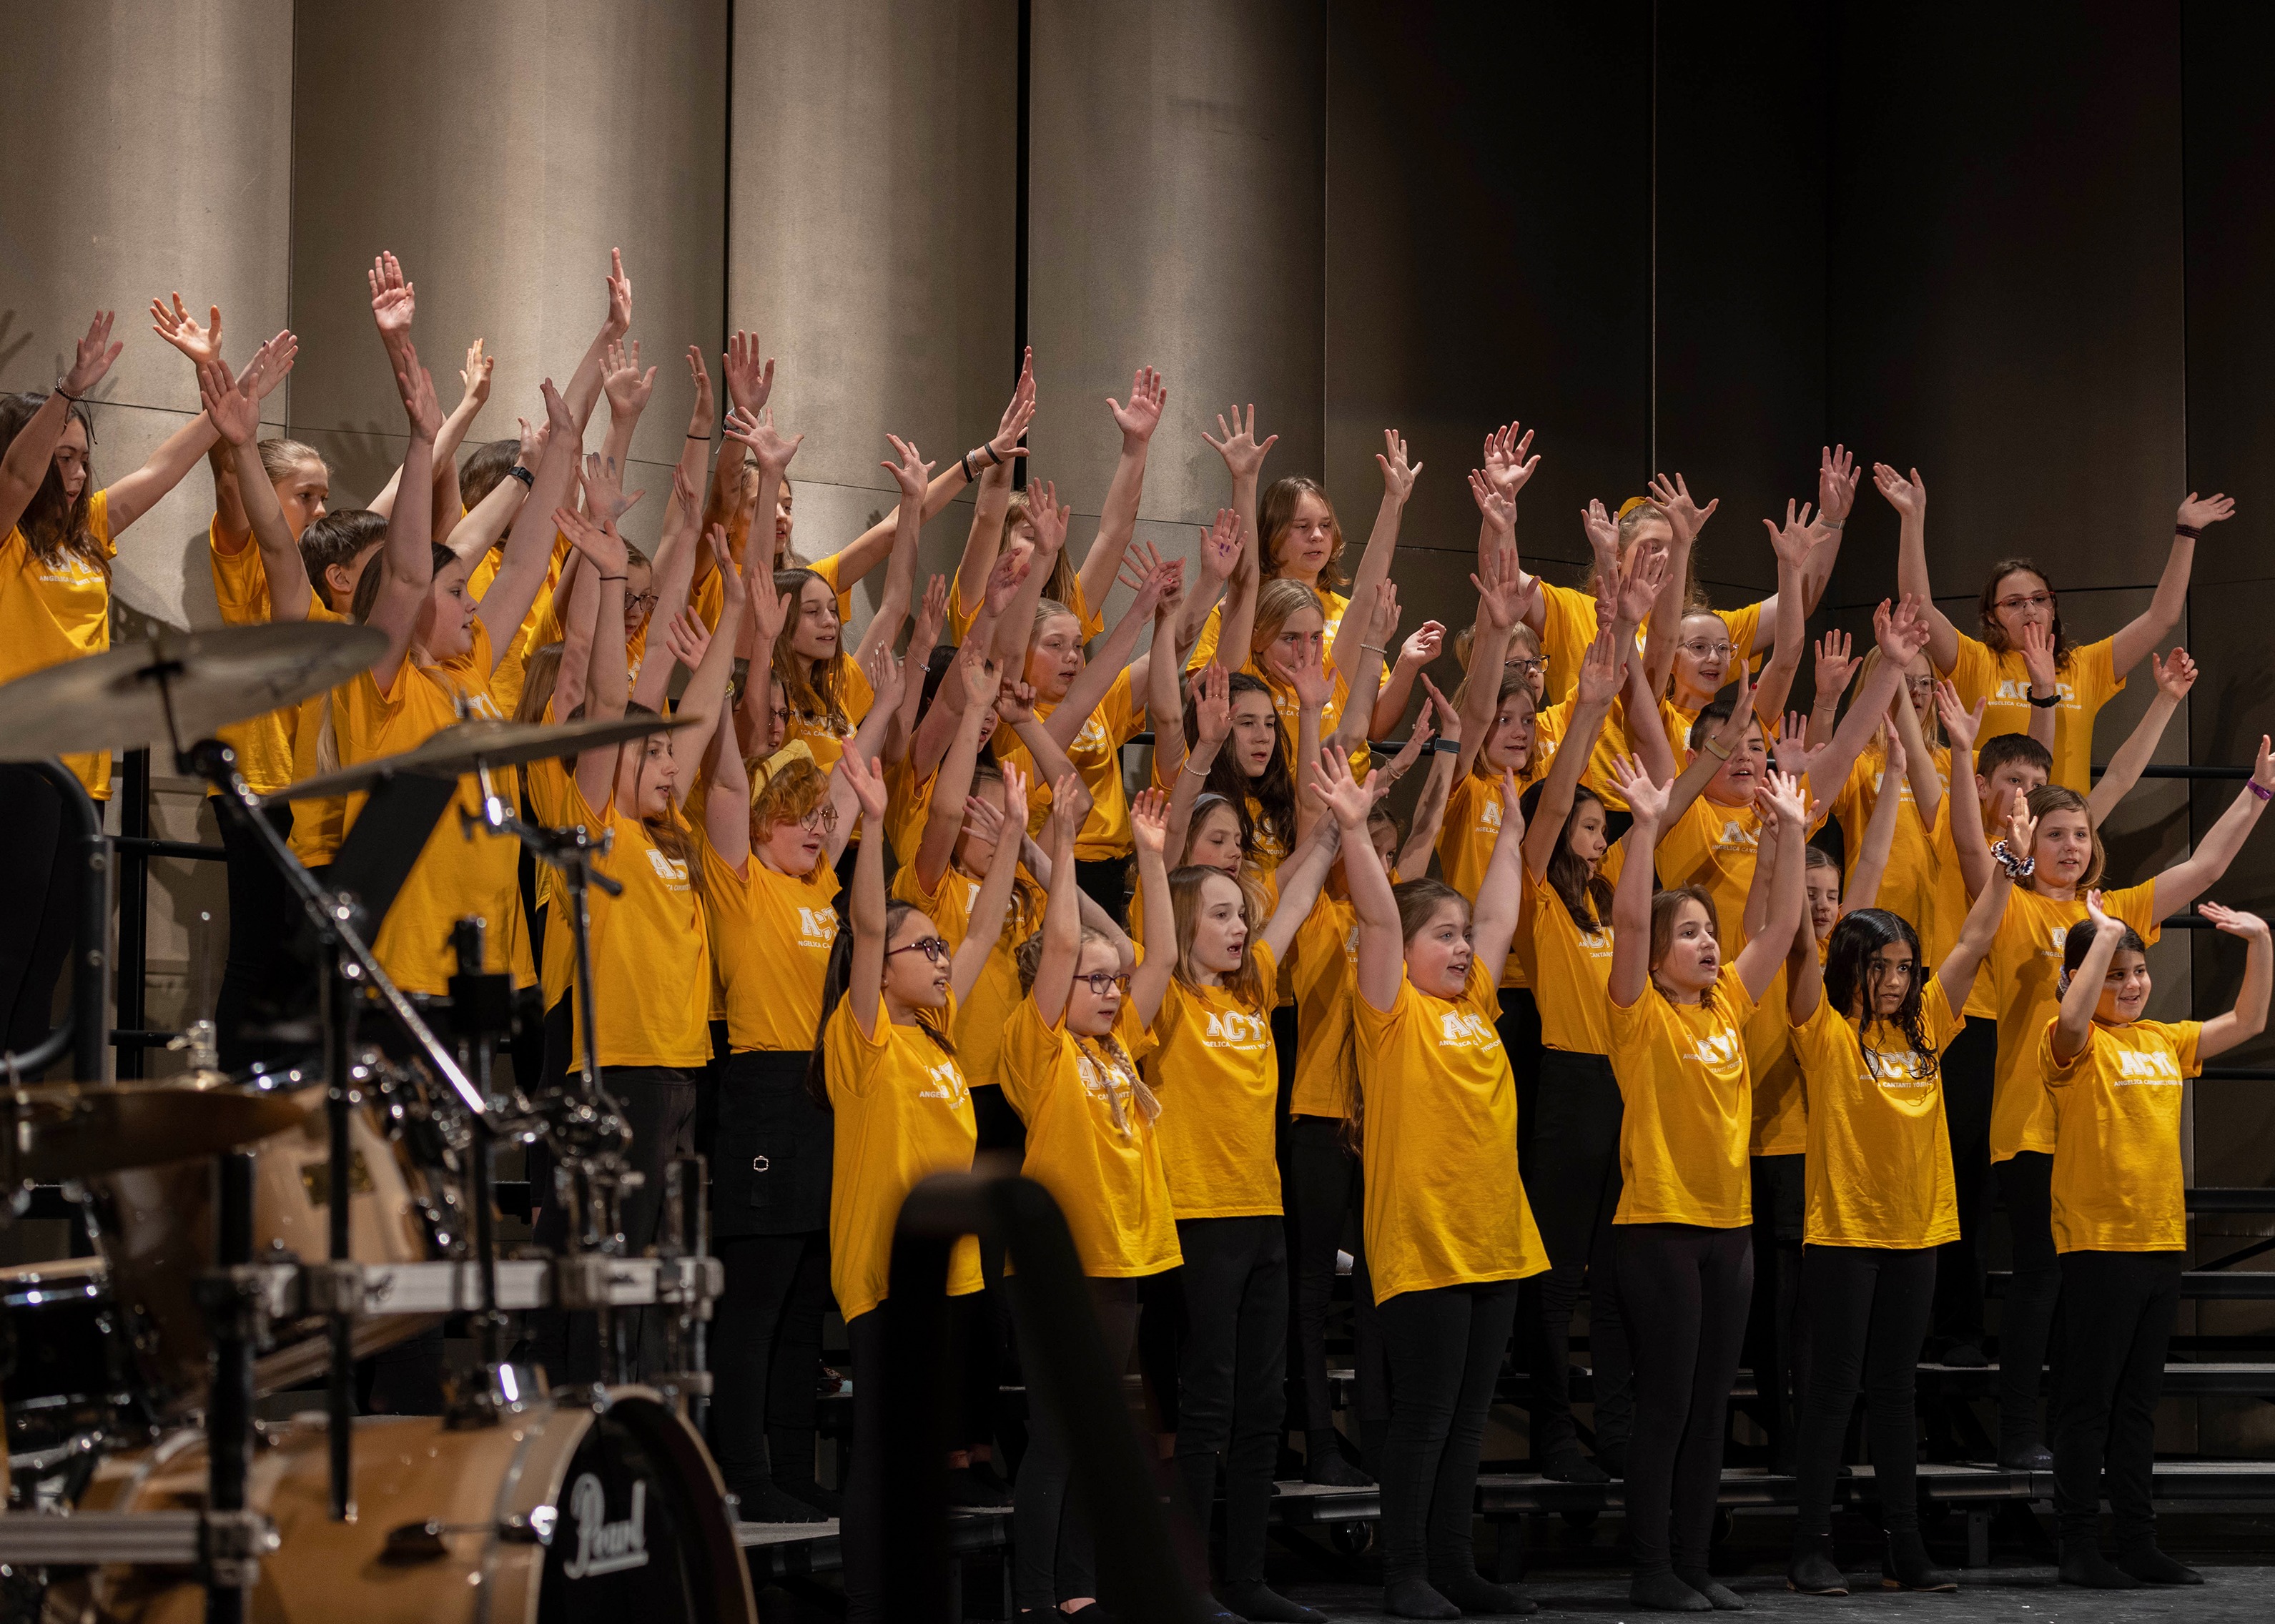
(481,1007)
(226,1546)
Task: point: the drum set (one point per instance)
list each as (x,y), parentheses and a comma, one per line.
(258,1232)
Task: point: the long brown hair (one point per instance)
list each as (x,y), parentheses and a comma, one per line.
(1994,635)
(1276,516)
(56,526)
(811,686)
(1667,903)
(1586,895)
(1419,901)
(669,833)
(1245,983)
(1274,790)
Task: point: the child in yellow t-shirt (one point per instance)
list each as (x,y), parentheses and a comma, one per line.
(2120,1222)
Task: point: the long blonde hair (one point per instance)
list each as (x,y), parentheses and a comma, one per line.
(1118,1067)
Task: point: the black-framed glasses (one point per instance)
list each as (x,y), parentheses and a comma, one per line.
(1101,982)
(932,947)
(823,819)
(641,601)
(1529,668)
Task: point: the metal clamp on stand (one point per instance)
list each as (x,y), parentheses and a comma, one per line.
(226,1547)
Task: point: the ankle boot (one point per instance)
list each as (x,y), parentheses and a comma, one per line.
(1813,1571)
(1324,1462)
(2151,1565)
(2082,1564)
(790,1450)
(1907,1566)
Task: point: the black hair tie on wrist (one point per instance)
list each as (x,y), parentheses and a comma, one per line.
(2192,532)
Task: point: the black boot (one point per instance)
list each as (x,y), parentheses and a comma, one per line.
(1813,1571)
(1479,1597)
(1324,1462)
(1906,1566)
(1662,1592)
(1568,1463)
(1719,1596)
(2082,1564)
(2151,1565)
(1260,1602)
(790,1450)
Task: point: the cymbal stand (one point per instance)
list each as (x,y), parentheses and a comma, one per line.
(233,1299)
(481,1010)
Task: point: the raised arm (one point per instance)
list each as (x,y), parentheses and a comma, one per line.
(1871,865)
(1598,681)
(2248,1018)
(1308,679)
(864,981)
(1244,457)
(1117,519)
(727,806)
(235,411)
(1221,564)
(1794,546)
(1727,735)
(769,613)
(25,464)
(1015,626)
(1919,760)
(1908,498)
(583,392)
(529,548)
(2073,1024)
(1961,726)
(1630,971)
(1149,832)
(986,927)
(1836,498)
(1299,878)
(1901,632)
(1782,796)
(2174,678)
(1154,576)
(1492,923)
(911,473)
(1414,656)
(627,388)
(1834,667)
(406,556)
(977,677)
(474,377)
(1398,476)
(1686,518)
(2046,683)
(1381,947)
(1965,958)
(597,598)
(1061,919)
(1497,589)
(1437,789)
(2144,631)
(705,694)
(1361,682)
(1211,726)
(985,539)
(2194,874)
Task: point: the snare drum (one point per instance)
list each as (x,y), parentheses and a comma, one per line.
(156,1228)
(562,1514)
(70,1383)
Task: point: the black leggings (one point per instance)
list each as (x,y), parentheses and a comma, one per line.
(1231,1398)
(2112,1373)
(1868,1308)
(1056,1554)
(1776,1346)
(2026,1317)
(1519,1030)
(764,1347)
(1685,1289)
(1325,1201)
(41,889)
(861,1527)
(1572,1180)
(263,917)
(1968,1066)
(1445,1345)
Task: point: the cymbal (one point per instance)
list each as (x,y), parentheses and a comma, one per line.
(467,745)
(68,1131)
(213,676)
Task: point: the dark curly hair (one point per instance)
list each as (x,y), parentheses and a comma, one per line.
(1848,976)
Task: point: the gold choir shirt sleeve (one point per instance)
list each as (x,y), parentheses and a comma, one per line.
(903,1112)
(1445,1206)
(1106,1178)
(1216,1074)
(1325,956)
(2118,1184)
(53,612)
(1687,1107)
(2089,682)
(1879,1154)
(771,934)
(1908,886)
(1780,1110)
(1570,967)
(2024,967)
(1465,843)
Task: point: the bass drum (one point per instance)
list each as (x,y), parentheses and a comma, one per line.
(562,1514)
(156,1228)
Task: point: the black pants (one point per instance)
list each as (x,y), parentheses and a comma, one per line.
(1106,881)
(1161,1341)
(861,1529)
(1230,1398)
(2111,1374)
(264,916)
(1572,1179)
(766,1341)
(2026,1316)
(41,889)
(1969,1067)
(1324,1193)
(1445,1346)
(1519,1028)
(658,1106)
(1052,1532)
(1685,1289)
(1868,1307)
(1776,1346)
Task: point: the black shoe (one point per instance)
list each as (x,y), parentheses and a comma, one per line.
(1324,1462)
(1721,1595)
(1417,1598)
(1813,1571)
(1907,1566)
(1570,1465)
(1613,1458)
(1663,1592)
(1259,1603)
(1965,1357)
(968,1489)
(1477,1596)
(2151,1565)
(2025,1455)
(2082,1564)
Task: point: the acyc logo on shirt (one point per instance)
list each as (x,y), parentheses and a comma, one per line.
(1234,1028)
(944,1081)
(2150,1067)
(1465,1029)
(669,869)
(2016,690)
(817,928)
(1736,836)
(1717,1051)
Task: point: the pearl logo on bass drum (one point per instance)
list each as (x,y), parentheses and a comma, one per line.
(602,1546)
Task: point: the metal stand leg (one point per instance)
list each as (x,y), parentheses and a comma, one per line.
(339,1028)
(231,1304)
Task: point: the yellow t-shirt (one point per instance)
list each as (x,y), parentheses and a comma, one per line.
(1569,967)
(1096,754)
(903,1114)
(2024,966)
(1568,625)
(1908,887)
(1465,844)
(1688,1107)
(960,619)
(650,951)
(908,808)
(1879,1155)
(454,876)
(1950,904)
(264,743)
(1107,1179)
(822,735)
(981,1018)
(1781,1108)
(1445,1206)
(771,934)
(53,612)
(1715,846)
(2090,682)
(1333,603)
(553,799)
(1217,1076)
(541,622)
(2118,1186)
(1326,961)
